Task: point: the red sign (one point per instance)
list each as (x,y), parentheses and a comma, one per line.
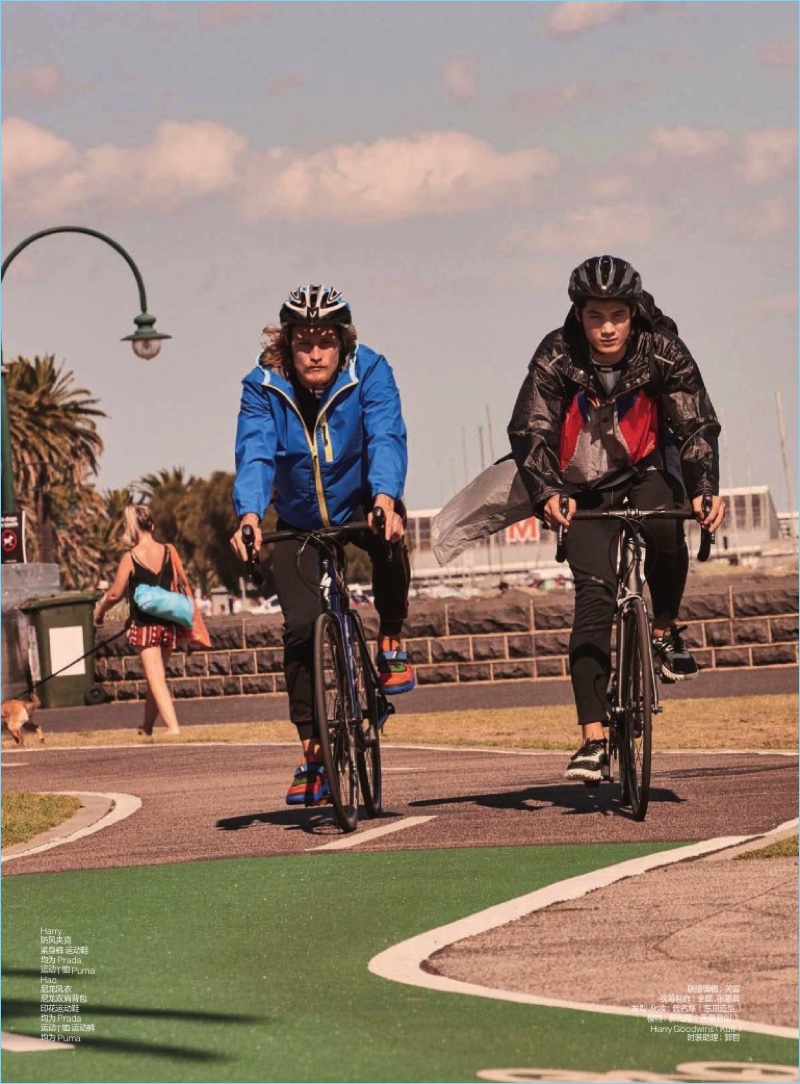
(12,539)
(526,530)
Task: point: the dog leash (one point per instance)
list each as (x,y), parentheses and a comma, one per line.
(91,651)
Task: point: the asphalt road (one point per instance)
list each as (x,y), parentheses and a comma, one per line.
(227,801)
(503,694)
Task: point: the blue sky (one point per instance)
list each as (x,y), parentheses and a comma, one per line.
(444,164)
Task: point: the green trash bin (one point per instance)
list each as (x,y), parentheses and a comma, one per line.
(64,628)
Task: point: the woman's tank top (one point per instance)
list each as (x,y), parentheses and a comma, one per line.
(142,574)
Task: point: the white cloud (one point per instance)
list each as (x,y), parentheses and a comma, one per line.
(778,54)
(597,229)
(44,84)
(43,173)
(230,12)
(612,187)
(685,142)
(282,85)
(769,155)
(769,218)
(390,179)
(29,149)
(460,77)
(569,19)
(577,94)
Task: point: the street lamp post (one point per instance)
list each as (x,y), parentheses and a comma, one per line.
(145,341)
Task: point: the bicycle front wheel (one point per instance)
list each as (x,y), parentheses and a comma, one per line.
(334,715)
(636,678)
(368,733)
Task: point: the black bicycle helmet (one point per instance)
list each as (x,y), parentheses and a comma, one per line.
(315,305)
(605,278)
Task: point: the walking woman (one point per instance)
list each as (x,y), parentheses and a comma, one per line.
(153,639)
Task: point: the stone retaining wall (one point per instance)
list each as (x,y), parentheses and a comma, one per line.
(514,636)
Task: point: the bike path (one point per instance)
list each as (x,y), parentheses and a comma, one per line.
(257,970)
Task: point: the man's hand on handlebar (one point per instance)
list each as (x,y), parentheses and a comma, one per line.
(552,514)
(237,542)
(394,529)
(713,518)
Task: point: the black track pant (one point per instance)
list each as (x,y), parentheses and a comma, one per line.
(592,547)
(297,584)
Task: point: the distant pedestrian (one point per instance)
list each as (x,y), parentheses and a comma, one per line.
(146,562)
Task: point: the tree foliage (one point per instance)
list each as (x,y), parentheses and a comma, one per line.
(55,450)
(197,516)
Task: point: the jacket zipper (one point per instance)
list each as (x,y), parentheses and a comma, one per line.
(322,422)
(312,447)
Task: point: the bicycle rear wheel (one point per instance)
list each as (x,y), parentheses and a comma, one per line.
(368,734)
(636,677)
(334,715)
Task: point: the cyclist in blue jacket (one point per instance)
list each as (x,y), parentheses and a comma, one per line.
(321,435)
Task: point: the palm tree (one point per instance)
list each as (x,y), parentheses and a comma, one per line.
(56,449)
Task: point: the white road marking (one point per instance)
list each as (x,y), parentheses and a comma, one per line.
(21,1044)
(353,839)
(21,764)
(403,962)
(122,806)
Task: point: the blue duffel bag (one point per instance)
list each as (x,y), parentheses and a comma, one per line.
(170,606)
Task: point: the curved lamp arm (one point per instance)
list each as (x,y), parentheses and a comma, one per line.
(146,341)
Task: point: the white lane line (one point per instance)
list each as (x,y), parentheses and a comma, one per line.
(355,838)
(403,962)
(122,806)
(22,1044)
(22,764)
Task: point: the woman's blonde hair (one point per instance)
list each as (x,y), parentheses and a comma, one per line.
(276,345)
(138,520)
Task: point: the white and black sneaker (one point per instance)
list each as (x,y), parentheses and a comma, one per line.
(588,762)
(674,657)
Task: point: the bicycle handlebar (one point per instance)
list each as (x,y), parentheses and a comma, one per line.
(707,538)
(254,573)
(316,532)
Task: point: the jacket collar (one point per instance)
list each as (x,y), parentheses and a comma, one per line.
(346,376)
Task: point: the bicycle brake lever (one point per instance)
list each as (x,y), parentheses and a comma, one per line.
(561,535)
(254,573)
(707,538)
(379,519)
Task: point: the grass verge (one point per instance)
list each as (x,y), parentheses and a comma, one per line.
(26,815)
(782,848)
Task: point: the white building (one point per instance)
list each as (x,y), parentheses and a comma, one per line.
(510,555)
(753,533)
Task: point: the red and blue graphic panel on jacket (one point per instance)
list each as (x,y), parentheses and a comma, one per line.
(626,428)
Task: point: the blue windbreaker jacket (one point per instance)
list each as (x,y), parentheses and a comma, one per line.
(358,448)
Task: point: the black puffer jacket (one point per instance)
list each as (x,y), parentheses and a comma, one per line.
(657,361)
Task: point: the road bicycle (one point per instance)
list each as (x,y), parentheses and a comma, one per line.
(632,690)
(350,704)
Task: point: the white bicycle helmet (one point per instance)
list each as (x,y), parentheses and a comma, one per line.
(315,305)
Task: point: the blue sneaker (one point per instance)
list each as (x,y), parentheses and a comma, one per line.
(309,786)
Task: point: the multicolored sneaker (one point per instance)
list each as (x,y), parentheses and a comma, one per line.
(309,786)
(396,674)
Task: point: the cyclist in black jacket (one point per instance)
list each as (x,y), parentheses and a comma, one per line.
(591,420)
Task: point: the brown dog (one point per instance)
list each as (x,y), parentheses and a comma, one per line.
(18,717)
